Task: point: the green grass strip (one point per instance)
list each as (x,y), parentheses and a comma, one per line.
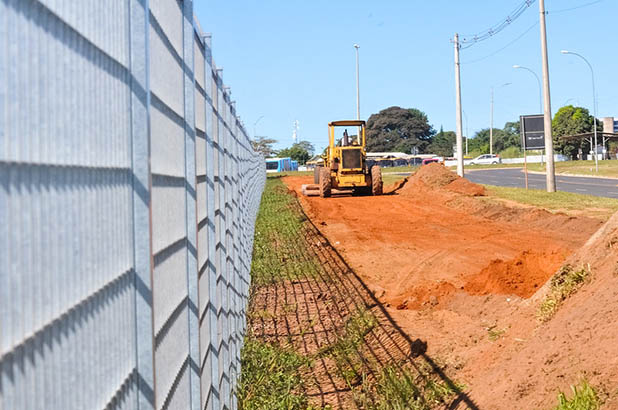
(270,378)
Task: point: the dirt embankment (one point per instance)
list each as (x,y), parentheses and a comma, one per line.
(580,341)
(456,269)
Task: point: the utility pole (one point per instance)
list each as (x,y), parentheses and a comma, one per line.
(550,171)
(491,124)
(356,46)
(460,163)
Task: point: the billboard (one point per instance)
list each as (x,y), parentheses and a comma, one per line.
(532,131)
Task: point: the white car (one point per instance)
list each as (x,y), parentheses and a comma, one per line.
(486,159)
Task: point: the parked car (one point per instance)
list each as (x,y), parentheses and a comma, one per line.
(430,160)
(486,159)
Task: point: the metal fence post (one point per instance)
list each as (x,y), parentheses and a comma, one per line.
(212,359)
(140,105)
(222,312)
(191,200)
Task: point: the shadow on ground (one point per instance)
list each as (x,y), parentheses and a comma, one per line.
(319,307)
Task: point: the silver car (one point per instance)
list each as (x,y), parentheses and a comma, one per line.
(486,159)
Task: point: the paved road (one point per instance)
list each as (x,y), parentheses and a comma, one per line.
(514,177)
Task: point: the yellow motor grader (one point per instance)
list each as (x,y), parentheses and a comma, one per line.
(345,167)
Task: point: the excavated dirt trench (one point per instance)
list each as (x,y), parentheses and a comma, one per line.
(433,239)
(452,267)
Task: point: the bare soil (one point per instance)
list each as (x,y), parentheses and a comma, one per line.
(465,275)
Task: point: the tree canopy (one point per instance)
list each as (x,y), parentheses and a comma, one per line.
(399,129)
(264,145)
(508,137)
(300,151)
(307,146)
(570,120)
(442,143)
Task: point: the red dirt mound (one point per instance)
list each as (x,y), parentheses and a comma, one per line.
(521,276)
(436,176)
(581,340)
(396,186)
(465,187)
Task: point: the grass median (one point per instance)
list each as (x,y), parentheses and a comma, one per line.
(607,168)
(568,202)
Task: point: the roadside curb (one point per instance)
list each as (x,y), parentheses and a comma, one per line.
(491,169)
(575,175)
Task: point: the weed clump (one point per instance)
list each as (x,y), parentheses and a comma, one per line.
(494,333)
(566,282)
(584,398)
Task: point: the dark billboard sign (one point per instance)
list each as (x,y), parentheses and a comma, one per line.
(533,131)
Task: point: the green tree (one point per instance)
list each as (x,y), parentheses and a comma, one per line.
(503,139)
(442,143)
(399,129)
(264,145)
(509,138)
(479,144)
(307,146)
(570,120)
(297,152)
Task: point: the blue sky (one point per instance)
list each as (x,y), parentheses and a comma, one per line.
(295,60)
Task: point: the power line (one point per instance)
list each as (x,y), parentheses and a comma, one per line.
(574,8)
(528,30)
(469,41)
(505,47)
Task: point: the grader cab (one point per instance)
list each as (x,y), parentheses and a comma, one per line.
(345,167)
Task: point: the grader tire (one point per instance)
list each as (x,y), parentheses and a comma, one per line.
(325,182)
(376,180)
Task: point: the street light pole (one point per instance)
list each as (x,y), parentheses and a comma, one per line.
(550,171)
(491,120)
(538,80)
(356,46)
(594,107)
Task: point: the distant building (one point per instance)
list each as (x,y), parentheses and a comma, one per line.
(315,161)
(610,125)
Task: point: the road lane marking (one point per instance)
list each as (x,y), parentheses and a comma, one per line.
(583,183)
